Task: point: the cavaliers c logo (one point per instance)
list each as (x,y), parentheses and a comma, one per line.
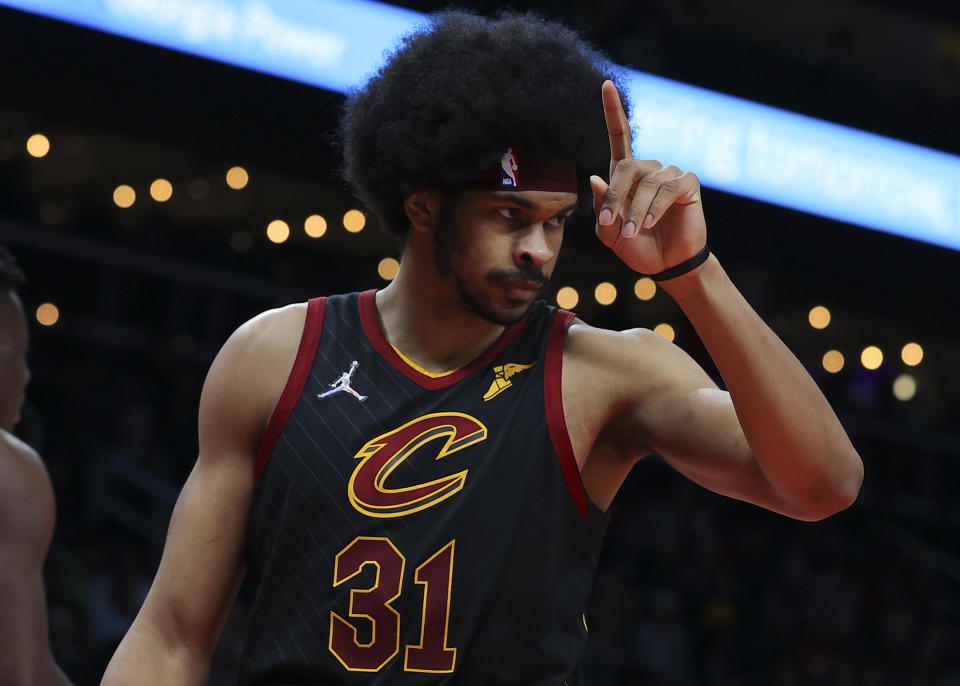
(380,456)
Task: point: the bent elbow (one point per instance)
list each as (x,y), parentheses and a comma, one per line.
(839,492)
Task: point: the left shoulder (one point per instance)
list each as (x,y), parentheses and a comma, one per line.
(618,352)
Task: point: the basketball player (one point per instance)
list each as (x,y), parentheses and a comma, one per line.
(27,510)
(445,530)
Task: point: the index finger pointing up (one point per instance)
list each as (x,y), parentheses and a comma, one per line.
(618,127)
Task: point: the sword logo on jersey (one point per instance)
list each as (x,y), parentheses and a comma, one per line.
(380,456)
(501,378)
(342,383)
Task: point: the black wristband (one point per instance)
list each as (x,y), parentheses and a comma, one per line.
(684,267)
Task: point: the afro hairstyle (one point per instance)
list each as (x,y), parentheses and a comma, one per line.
(460,91)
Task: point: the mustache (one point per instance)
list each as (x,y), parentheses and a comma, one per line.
(536,275)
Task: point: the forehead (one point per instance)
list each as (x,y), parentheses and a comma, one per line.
(536,201)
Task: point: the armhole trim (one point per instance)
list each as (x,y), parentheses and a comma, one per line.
(312,328)
(553,405)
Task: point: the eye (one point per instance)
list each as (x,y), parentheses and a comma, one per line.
(508,212)
(558,221)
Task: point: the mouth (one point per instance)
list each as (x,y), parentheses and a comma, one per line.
(521,289)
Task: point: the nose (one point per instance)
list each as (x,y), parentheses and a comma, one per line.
(532,248)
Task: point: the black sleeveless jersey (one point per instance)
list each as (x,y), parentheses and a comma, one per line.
(412,528)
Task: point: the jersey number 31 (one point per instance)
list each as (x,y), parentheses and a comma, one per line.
(432,654)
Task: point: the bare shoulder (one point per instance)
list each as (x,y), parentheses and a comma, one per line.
(628,359)
(27,510)
(610,377)
(249,374)
(269,337)
(13,448)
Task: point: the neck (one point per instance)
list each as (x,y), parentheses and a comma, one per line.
(422,317)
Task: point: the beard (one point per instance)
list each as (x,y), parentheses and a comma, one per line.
(447,244)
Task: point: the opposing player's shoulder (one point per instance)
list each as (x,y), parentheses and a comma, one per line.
(15,449)
(26,500)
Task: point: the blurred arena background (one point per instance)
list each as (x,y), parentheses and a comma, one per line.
(156,200)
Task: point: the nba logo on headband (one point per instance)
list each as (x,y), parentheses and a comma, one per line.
(540,173)
(508,169)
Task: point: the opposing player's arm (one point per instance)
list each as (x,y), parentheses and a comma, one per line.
(772,440)
(173,636)
(26,525)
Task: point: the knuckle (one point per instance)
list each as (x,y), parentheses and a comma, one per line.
(612,198)
(650,181)
(671,186)
(624,166)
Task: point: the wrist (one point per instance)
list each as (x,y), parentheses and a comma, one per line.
(685,267)
(694,284)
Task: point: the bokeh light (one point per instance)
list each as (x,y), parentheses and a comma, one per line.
(833,361)
(354,221)
(38,145)
(124,196)
(161,190)
(315,226)
(48,314)
(645,288)
(912,354)
(871,357)
(237,178)
(278,231)
(605,293)
(388,268)
(819,317)
(567,297)
(665,330)
(904,387)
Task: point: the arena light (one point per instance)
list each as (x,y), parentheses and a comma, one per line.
(48,314)
(645,288)
(237,178)
(665,330)
(388,268)
(315,225)
(38,145)
(605,293)
(567,297)
(278,231)
(911,354)
(732,144)
(124,196)
(819,317)
(161,190)
(833,361)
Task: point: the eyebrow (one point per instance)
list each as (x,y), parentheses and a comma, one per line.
(518,199)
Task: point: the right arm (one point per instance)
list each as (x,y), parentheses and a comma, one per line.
(173,636)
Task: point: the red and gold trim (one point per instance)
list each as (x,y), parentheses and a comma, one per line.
(312,327)
(431,382)
(553,403)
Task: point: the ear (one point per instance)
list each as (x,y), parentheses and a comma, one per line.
(422,209)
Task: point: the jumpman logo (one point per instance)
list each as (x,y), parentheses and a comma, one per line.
(343,384)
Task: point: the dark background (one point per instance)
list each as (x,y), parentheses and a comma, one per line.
(693,588)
